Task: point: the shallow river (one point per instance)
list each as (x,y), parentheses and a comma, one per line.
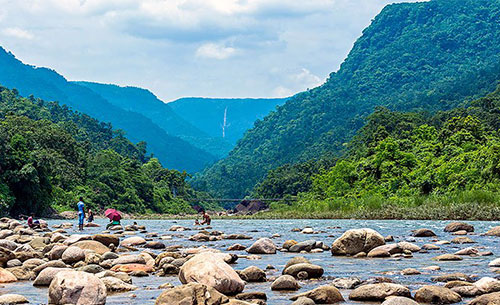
(334,266)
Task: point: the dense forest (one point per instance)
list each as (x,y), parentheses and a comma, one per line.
(429,56)
(47,84)
(407,158)
(51,155)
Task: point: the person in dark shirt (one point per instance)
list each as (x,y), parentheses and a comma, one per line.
(90,218)
(206,219)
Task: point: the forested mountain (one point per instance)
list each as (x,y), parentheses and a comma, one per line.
(49,85)
(50,156)
(414,56)
(144,102)
(207,114)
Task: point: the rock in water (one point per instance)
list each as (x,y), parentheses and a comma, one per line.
(285,282)
(322,295)
(211,270)
(399,301)
(10,299)
(356,241)
(192,293)
(495,231)
(487,299)
(436,295)
(459,226)
(262,246)
(379,292)
(77,287)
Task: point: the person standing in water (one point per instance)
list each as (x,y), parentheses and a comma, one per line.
(81,213)
(91,216)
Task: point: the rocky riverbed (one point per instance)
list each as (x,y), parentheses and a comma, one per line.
(251,262)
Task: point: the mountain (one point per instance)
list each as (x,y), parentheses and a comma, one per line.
(172,151)
(414,56)
(207,114)
(50,156)
(144,102)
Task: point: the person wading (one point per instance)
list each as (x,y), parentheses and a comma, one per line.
(81,213)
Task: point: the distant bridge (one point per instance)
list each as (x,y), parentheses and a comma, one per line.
(238,200)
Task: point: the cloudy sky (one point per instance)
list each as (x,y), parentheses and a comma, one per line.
(175,48)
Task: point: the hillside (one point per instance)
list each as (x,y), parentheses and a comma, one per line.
(50,156)
(207,114)
(49,85)
(144,102)
(414,56)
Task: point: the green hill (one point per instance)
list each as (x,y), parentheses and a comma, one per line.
(50,156)
(144,102)
(207,114)
(49,85)
(414,56)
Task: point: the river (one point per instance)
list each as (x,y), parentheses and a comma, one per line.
(333,266)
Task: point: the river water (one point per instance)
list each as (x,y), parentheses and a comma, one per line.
(333,266)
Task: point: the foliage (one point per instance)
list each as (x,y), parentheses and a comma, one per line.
(50,156)
(414,56)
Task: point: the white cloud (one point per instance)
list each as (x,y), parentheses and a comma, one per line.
(281,91)
(17,33)
(306,78)
(216,51)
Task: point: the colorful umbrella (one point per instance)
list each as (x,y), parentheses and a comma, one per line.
(113,214)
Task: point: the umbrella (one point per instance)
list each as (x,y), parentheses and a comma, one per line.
(113,214)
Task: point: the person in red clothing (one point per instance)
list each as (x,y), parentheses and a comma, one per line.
(30,221)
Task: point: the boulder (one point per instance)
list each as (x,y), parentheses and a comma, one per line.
(72,255)
(92,245)
(262,246)
(447,257)
(211,270)
(322,295)
(155,245)
(6,255)
(378,292)
(459,226)
(468,251)
(424,233)
(467,291)
(77,287)
(488,285)
(11,299)
(133,268)
(307,246)
(406,246)
(56,252)
(436,295)
(253,274)
(304,301)
(296,260)
(399,301)
(107,239)
(312,271)
(6,276)
(495,231)
(47,275)
(462,240)
(495,263)
(357,240)
(129,259)
(457,276)
(54,264)
(285,282)
(236,247)
(22,273)
(346,283)
(133,241)
(114,284)
(487,299)
(289,243)
(192,293)
(8,244)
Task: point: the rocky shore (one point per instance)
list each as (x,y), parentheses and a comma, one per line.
(89,268)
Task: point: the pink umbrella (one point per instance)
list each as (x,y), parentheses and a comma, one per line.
(113,214)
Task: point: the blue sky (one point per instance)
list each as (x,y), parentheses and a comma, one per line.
(176,48)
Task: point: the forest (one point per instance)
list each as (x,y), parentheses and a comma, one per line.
(51,155)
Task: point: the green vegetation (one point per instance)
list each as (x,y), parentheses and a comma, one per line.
(413,165)
(50,155)
(414,56)
(172,151)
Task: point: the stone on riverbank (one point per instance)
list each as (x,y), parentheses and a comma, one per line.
(312,271)
(77,287)
(357,240)
(436,295)
(6,276)
(47,275)
(192,293)
(487,299)
(285,282)
(211,270)
(253,274)
(72,255)
(133,241)
(10,299)
(322,295)
(262,246)
(378,292)
(107,239)
(399,301)
(93,245)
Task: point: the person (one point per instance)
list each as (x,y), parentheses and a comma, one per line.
(114,221)
(196,222)
(81,213)
(91,216)
(32,223)
(206,219)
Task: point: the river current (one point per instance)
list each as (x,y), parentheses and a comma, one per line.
(334,266)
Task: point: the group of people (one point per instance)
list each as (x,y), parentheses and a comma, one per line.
(206,220)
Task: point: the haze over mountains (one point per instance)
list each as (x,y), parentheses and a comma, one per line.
(175,140)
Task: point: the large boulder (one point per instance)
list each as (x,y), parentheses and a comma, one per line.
(114,284)
(459,226)
(129,259)
(436,295)
(424,233)
(322,295)
(6,255)
(56,252)
(488,285)
(253,274)
(262,246)
(92,245)
(132,268)
(47,275)
(378,292)
(487,299)
(285,282)
(6,276)
(356,241)
(11,299)
(313,271)
(133,241)
(72,255)
(77,287)
(192,293)
(107,239)
(210,269)
(399,301)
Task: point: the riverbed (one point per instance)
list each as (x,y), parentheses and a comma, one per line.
(334,267)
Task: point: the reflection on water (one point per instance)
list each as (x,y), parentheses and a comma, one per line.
(334,266)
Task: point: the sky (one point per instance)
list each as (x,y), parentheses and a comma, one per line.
(178,48)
